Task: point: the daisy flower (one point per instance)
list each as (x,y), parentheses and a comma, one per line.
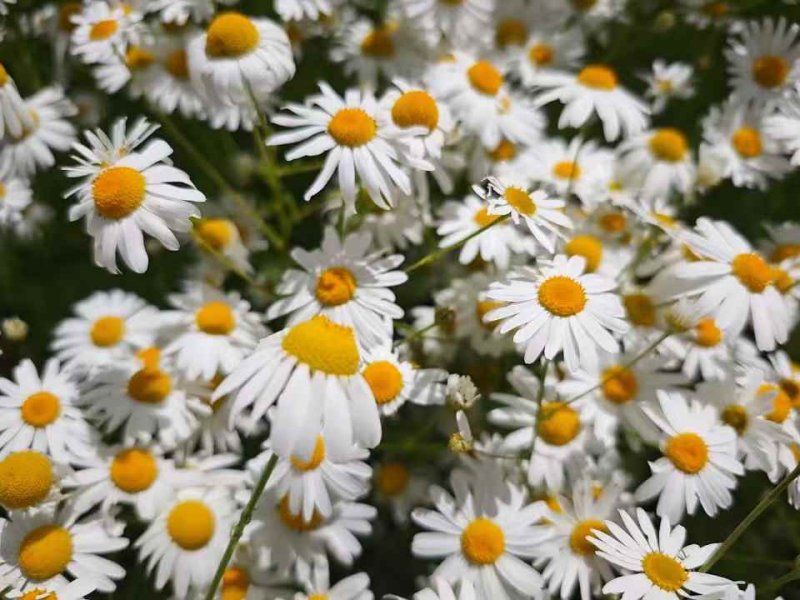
(359,141)
(211,331)
(39,548)
(102,30)
(217,430)
(664,156)
(484,545)
(311,371)
(39,412)
(787,373)
(662,566)
(181,11)
(703,349)
(559,307)
(185,542)
(396,486)
(30,479)
(455,21)
(14,116)
(297,10)
(170,86)
(245,579)
(134,69)
(345,281)
(107,326)
(547,50)
(15,197)
(513,21)
(699,462)
(77,589)
(223,236)
(399,228)
(137,193)
(784,126)
(441,590)
(667,81)
(316,583)
(594,90)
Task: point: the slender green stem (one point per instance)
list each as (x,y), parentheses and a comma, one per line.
(777,491)
(416,334)
(768,590)
(238,530)
(299,167)
(434,256)
(223,260)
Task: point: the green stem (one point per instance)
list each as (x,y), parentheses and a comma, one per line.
(299,167)
(768,591)
(238,530)
(223,260)
(415,334)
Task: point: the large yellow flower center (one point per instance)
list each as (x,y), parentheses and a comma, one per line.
(485,78)
(231,35)
(483,542)
(177,64)
(559,424)
(149,385)
(102,30)
(392,479)
(384,379)
(191,524)
(770,71)
(40,409)
(510,32)
(505,151)
(781,403)
(378,43)
(577,539)
(541,54)
(335,286)
(520,200)
(747,142)
(736,416)
(598,77)
(107,331)
(416,108)
(235,584)
(324,346)
(133,470)
(688,452)
(707,334)
(138,58)
(668,144)
(641,309)
(566,169)
(587,246)
(296,521)
(752,271)
(45,552)
(562,296)
(317,456)
(784,251)
(216,233)
(482,308)
(352,127)
(118,191)
(25,479)
(664,571)
(620,384)
(215,318)
(482,218)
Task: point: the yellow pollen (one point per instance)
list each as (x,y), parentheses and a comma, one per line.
(40,409)
(598,77)
(4,78)
(177,64)
(335,286)
(520,200)
(138,58)
(505,151)
(107,331)
(782,280)
(217,233)
(781,403)
(752,271)
(392,479)
(577,539)
(235,584)
(102,30)
(38,594)
(784,251)
(707,334)
(297,522)
(620,384)
(133,470)
(191,524)
(688,452)
(770,71)
(352,127)
(640,309)
(45,552)
(485,78)
(587,246)
(378,43)
(317,456)
(510,32)
(567,169)
(483,542)
(416,108)
(541,54)
(118,191)
(562,296)
(215,318)
(384,379)
(318,597)
(25,479)
(149,385)
(559,424)
(736,416)
(553,504)
(482,308)
(668,144)
(231,35)
(791,388)
(664,571)
(747,142)
(324,346)
(482,218)
(613,222)
(664,85)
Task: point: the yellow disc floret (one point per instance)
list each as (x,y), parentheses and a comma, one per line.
(483,542)
(235,584)
(664,571)
(747,142)
(559,424)
(216,233)
(752,271)
(40,409)
(688,452)
(736,416)
(384,379)
(317,456)
(323,346)
(191,524)
(620,384)
(133,470)
(379,43)
(352,127)
(485,78)
(107,331)
(583,529)
(335,286)
(26,478)
(102,30)
(392,479)
(416,108)
(215,318)
(770,71)
(231,35)
(668,144)
(45,552)
(598,77)
(562,296)
(296,521)
(118,191)
(587,246)
(520,200)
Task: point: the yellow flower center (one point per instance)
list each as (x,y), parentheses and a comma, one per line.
(133,470)
(510,32)
(352,127)
(335,286)
(25,479)
(216,233)
(2,187)
(613,222)
(118,191)
(668,144)
(791,388)
(177,64)
(770,71)
(598,77)
(38,594)
(736,416)
(40,409)
(620,384)
(781,403)
(138,58)
(784,251)
(324,346)
(562,296)
(707,334)
(566,169)
(107,331)
(235,584)
(102,30)
(664,85)
(485,78)
(416,108)
(688,452)
(747,142)
(4,78)
(482,218)
(191,524)
(482,308)
(296,521)
(520,200)
(317,456)
(215,318)
(392,479)
(587,246)
(559,424)
(504,151)
(640,309)
(45,552)
(149,385)
(384,379)
(577,539)
(483,542)
(782,280)
(752,271)
(231,35)
(541,54)
(378,43)
(664,571)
